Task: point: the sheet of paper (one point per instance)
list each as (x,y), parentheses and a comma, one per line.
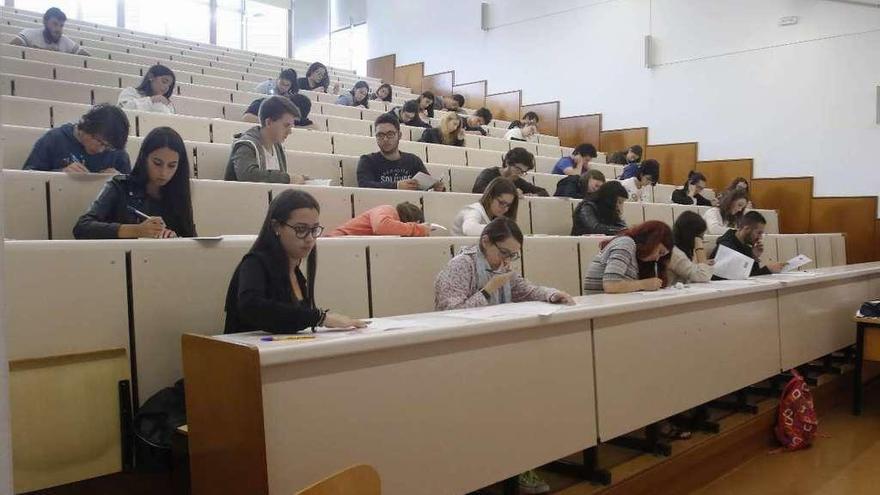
(408,322)
(208,238)
(732,265)
(425,181)
(512,310)
(318,182)
(438,227)
(737,284)
(795,263)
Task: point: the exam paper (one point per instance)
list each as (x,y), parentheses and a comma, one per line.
(511,310)
(795,263)
(425,181)
(732,265)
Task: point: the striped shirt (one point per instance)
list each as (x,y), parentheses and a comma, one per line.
(618,261)
(33,38)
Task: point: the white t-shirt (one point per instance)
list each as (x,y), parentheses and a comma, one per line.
(271,159)
(635,194)
(33,38)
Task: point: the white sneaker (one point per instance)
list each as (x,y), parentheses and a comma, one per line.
(530,482)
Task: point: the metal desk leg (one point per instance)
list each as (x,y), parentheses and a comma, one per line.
(857,375)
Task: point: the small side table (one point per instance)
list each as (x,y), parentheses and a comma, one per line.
(867,349)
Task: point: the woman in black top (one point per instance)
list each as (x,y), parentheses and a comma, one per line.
(690,193)
(448,132)
(268,290)
(154,201)
(317,79)
(602,214)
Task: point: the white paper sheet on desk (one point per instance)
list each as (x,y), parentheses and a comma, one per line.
(211,238)
(425,181)
(672,291)
(417,321)
(513,310)
(737,284)
(732,265)
(795,263)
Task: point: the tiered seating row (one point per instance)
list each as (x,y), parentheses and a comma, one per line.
(103,341)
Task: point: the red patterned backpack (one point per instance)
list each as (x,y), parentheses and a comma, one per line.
(796,423)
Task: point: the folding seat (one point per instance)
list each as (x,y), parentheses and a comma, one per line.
(549,216)
(806,245)
(481,158)
(530,147)
(495,132)
(17,144)
(415,133)
(228,208)
(189,128)
(204,92)
(210,160)
(786,246)
(410,267)
(56,58)
(544,164)
(838,250)
(463,178)
(502,145)
(351,145)
(547,181)
(30,68)
(25,200)
(663,193)
(335,202)
(69,197)
(195,107)
(217,82)
(105,94)
(824,250)
(772,218)
(633,213)
(342,125)
(546,139)
(552,262)
(232,111)
(223,131)
(608,170)
(658,211)
(677,209)
(442,208)
(30,112)
(550,150)
(314,165)
(45,89)
(63,112)
(473,141)
(341,111)
(441,172)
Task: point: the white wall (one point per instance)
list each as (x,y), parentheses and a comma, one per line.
(800,100)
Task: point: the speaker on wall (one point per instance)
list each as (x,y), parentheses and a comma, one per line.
(648,62)
(484,16)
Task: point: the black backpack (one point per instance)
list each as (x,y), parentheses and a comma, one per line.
(154,425)
(570,187)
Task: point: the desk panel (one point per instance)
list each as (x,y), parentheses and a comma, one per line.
(653,364)
(815,320)
(457,414)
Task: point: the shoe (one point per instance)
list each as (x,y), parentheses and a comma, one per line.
(530,482)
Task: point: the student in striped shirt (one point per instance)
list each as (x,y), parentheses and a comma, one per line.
(633,261)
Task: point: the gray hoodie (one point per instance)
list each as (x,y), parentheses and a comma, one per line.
(247,162)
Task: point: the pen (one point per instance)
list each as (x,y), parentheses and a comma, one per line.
(286,337)
(139,213)
(656,272)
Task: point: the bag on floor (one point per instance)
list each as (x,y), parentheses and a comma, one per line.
(796,422)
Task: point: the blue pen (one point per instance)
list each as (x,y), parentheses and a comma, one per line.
(139,213)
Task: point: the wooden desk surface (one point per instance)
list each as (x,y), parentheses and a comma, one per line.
(867,320)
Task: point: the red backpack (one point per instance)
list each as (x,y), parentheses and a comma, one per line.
(796,423)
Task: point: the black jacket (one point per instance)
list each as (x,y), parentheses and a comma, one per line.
(585,220)
(111,209)
(59,147)
(491,173)
(680,196)
(260,297)
(730,240)
(432,135)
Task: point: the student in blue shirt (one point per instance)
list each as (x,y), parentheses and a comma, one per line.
(578,162)
(633,159)
(94,144)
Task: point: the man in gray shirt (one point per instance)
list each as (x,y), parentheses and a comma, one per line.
(51,37)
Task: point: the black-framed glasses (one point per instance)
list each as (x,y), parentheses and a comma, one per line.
(507,254)
(504,204)
(302,231)
(386,135)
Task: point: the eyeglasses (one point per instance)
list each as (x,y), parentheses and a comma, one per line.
(386,135)
(103,144)
(302,231)
(507,254)
(522,170)
(503,204)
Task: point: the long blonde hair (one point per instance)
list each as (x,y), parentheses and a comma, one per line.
(447,135)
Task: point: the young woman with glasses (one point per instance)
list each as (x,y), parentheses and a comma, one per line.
(268,290)
(499,200)
(481,275)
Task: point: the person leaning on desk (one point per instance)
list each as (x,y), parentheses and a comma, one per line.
(268,290)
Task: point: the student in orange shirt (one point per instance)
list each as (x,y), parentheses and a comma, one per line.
(405,220)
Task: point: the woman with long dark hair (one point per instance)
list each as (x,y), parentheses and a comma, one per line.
(317,79)
(153,201)
(426,106)
(726,215)
(601,213)
(500,199)
(689,262)
(383,93)
(633,261)
(268,290)
(359,96)
(153,94)
(689,194)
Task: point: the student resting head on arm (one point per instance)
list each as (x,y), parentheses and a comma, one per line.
(383,93)
(405,220)
(475,124)
(317,79)
(359,96)
(748,240)
(448,132)
(153,201)
(94,144)
(408,114)
(515,164)
(300,101)
(257,154)
(648,174)
(390,168)
(580,186)
(521,132)
(579,161)
(268,290)
(689,261)
(426,106)
(481,275)
(726,215)
(501,199)
(635,260)
(632,158)
(153,94)
(740,183)
(601,214)
(286,84)
(689,194)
